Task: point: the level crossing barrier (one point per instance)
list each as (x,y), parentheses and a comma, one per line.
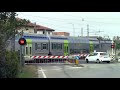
(51,60)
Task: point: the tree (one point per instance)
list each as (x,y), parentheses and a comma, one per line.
(8,25)
(117,42)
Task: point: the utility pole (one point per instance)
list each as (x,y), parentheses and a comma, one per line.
(87,30)
(99,44)
(112,48)
(99,40)
(82,32)
(73,34)
(35,28)
(82,28)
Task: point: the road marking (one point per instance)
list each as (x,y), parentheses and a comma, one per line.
(76,67)
(43,73)
(57,69)
(71,67)
(40,70)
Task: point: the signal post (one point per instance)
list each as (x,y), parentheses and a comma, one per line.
(22,42)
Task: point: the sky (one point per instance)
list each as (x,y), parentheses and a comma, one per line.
(108,23)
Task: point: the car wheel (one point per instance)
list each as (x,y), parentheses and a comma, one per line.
(97,61)
(87,61)
(108,61)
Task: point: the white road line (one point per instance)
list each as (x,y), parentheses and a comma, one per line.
(43,73)
(57,69)
(70,67)
(76,67)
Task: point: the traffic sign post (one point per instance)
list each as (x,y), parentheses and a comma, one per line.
(112,47)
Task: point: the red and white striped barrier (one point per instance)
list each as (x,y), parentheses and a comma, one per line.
(81,55)
(50,57)
(56,57)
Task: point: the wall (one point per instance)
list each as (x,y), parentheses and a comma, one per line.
(62,33)
(27,29)
(41,32)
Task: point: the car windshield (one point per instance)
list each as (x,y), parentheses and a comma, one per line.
(104,54)
(94,54)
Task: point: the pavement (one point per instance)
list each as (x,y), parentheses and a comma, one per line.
(89,70)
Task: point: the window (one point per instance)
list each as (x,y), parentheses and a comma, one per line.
(58,46)
(103,54)
(37,46)
(30,50)
(44,46)
(55,46)
(61,46)
(52,46)
(67,48)
(96,46)
(94,54)
(43,32)
(48,32)
(26,50)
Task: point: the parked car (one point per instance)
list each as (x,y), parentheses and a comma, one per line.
(98,57)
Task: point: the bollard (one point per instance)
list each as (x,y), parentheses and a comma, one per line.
(76,62)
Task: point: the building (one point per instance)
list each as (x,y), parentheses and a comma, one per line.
(34,28)
(61,33)
(43,30)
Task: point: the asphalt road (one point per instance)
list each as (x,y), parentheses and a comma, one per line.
(90,70)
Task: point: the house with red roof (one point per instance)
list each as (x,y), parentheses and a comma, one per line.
(34,28)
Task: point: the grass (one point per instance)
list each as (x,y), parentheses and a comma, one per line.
(29,71)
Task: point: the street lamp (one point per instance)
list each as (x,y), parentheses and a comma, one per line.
(82,28)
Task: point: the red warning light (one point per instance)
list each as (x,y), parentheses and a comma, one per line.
(113,46)
(22,41)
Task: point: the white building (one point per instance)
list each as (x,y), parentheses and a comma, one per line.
(33,28)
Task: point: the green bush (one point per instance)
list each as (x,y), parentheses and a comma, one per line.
(11,65)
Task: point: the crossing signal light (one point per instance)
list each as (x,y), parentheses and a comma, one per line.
(113,46)
(22,41)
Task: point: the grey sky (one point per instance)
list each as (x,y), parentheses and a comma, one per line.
(108,22)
